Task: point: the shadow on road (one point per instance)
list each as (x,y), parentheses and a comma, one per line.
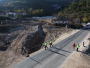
(56,52)
(60,49)
(35,60)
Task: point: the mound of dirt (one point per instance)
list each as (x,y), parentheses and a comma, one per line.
(31,39)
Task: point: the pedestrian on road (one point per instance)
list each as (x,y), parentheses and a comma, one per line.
(74,45)
(46,46)
(78,47)
(51,43)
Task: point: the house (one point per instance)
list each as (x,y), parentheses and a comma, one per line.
(10,14)
(62,21)
(14,14)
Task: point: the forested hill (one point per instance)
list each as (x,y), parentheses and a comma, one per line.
(35,4)
(31,7)
(5,2)
(36,7)
(79,10)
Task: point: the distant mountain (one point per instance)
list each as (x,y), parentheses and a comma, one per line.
(25,5)
(59,1)
(5,2)
(36,4)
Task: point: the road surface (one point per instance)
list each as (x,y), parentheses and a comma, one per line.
(54,56)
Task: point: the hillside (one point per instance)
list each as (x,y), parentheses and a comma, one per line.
(36,5)
(25,3)
(59,1)
(5,2)
(79,10)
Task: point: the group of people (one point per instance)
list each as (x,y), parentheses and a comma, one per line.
(74,45)
(51,42)
(46,44)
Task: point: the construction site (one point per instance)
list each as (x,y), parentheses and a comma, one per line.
(18,38)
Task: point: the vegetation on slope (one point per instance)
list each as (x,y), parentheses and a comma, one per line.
(32,7)
(79,10)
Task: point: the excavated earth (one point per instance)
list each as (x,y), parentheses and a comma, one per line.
(17,36)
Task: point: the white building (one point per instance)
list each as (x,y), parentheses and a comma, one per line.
(14,14)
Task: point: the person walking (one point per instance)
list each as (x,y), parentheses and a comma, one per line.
(46,46)
(78,47)
(51,43)
(74,45)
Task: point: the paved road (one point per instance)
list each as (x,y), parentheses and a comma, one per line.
(53,57)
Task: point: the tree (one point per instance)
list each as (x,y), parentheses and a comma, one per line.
(73,15)
(85,19)
(60,14)
(30,11)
